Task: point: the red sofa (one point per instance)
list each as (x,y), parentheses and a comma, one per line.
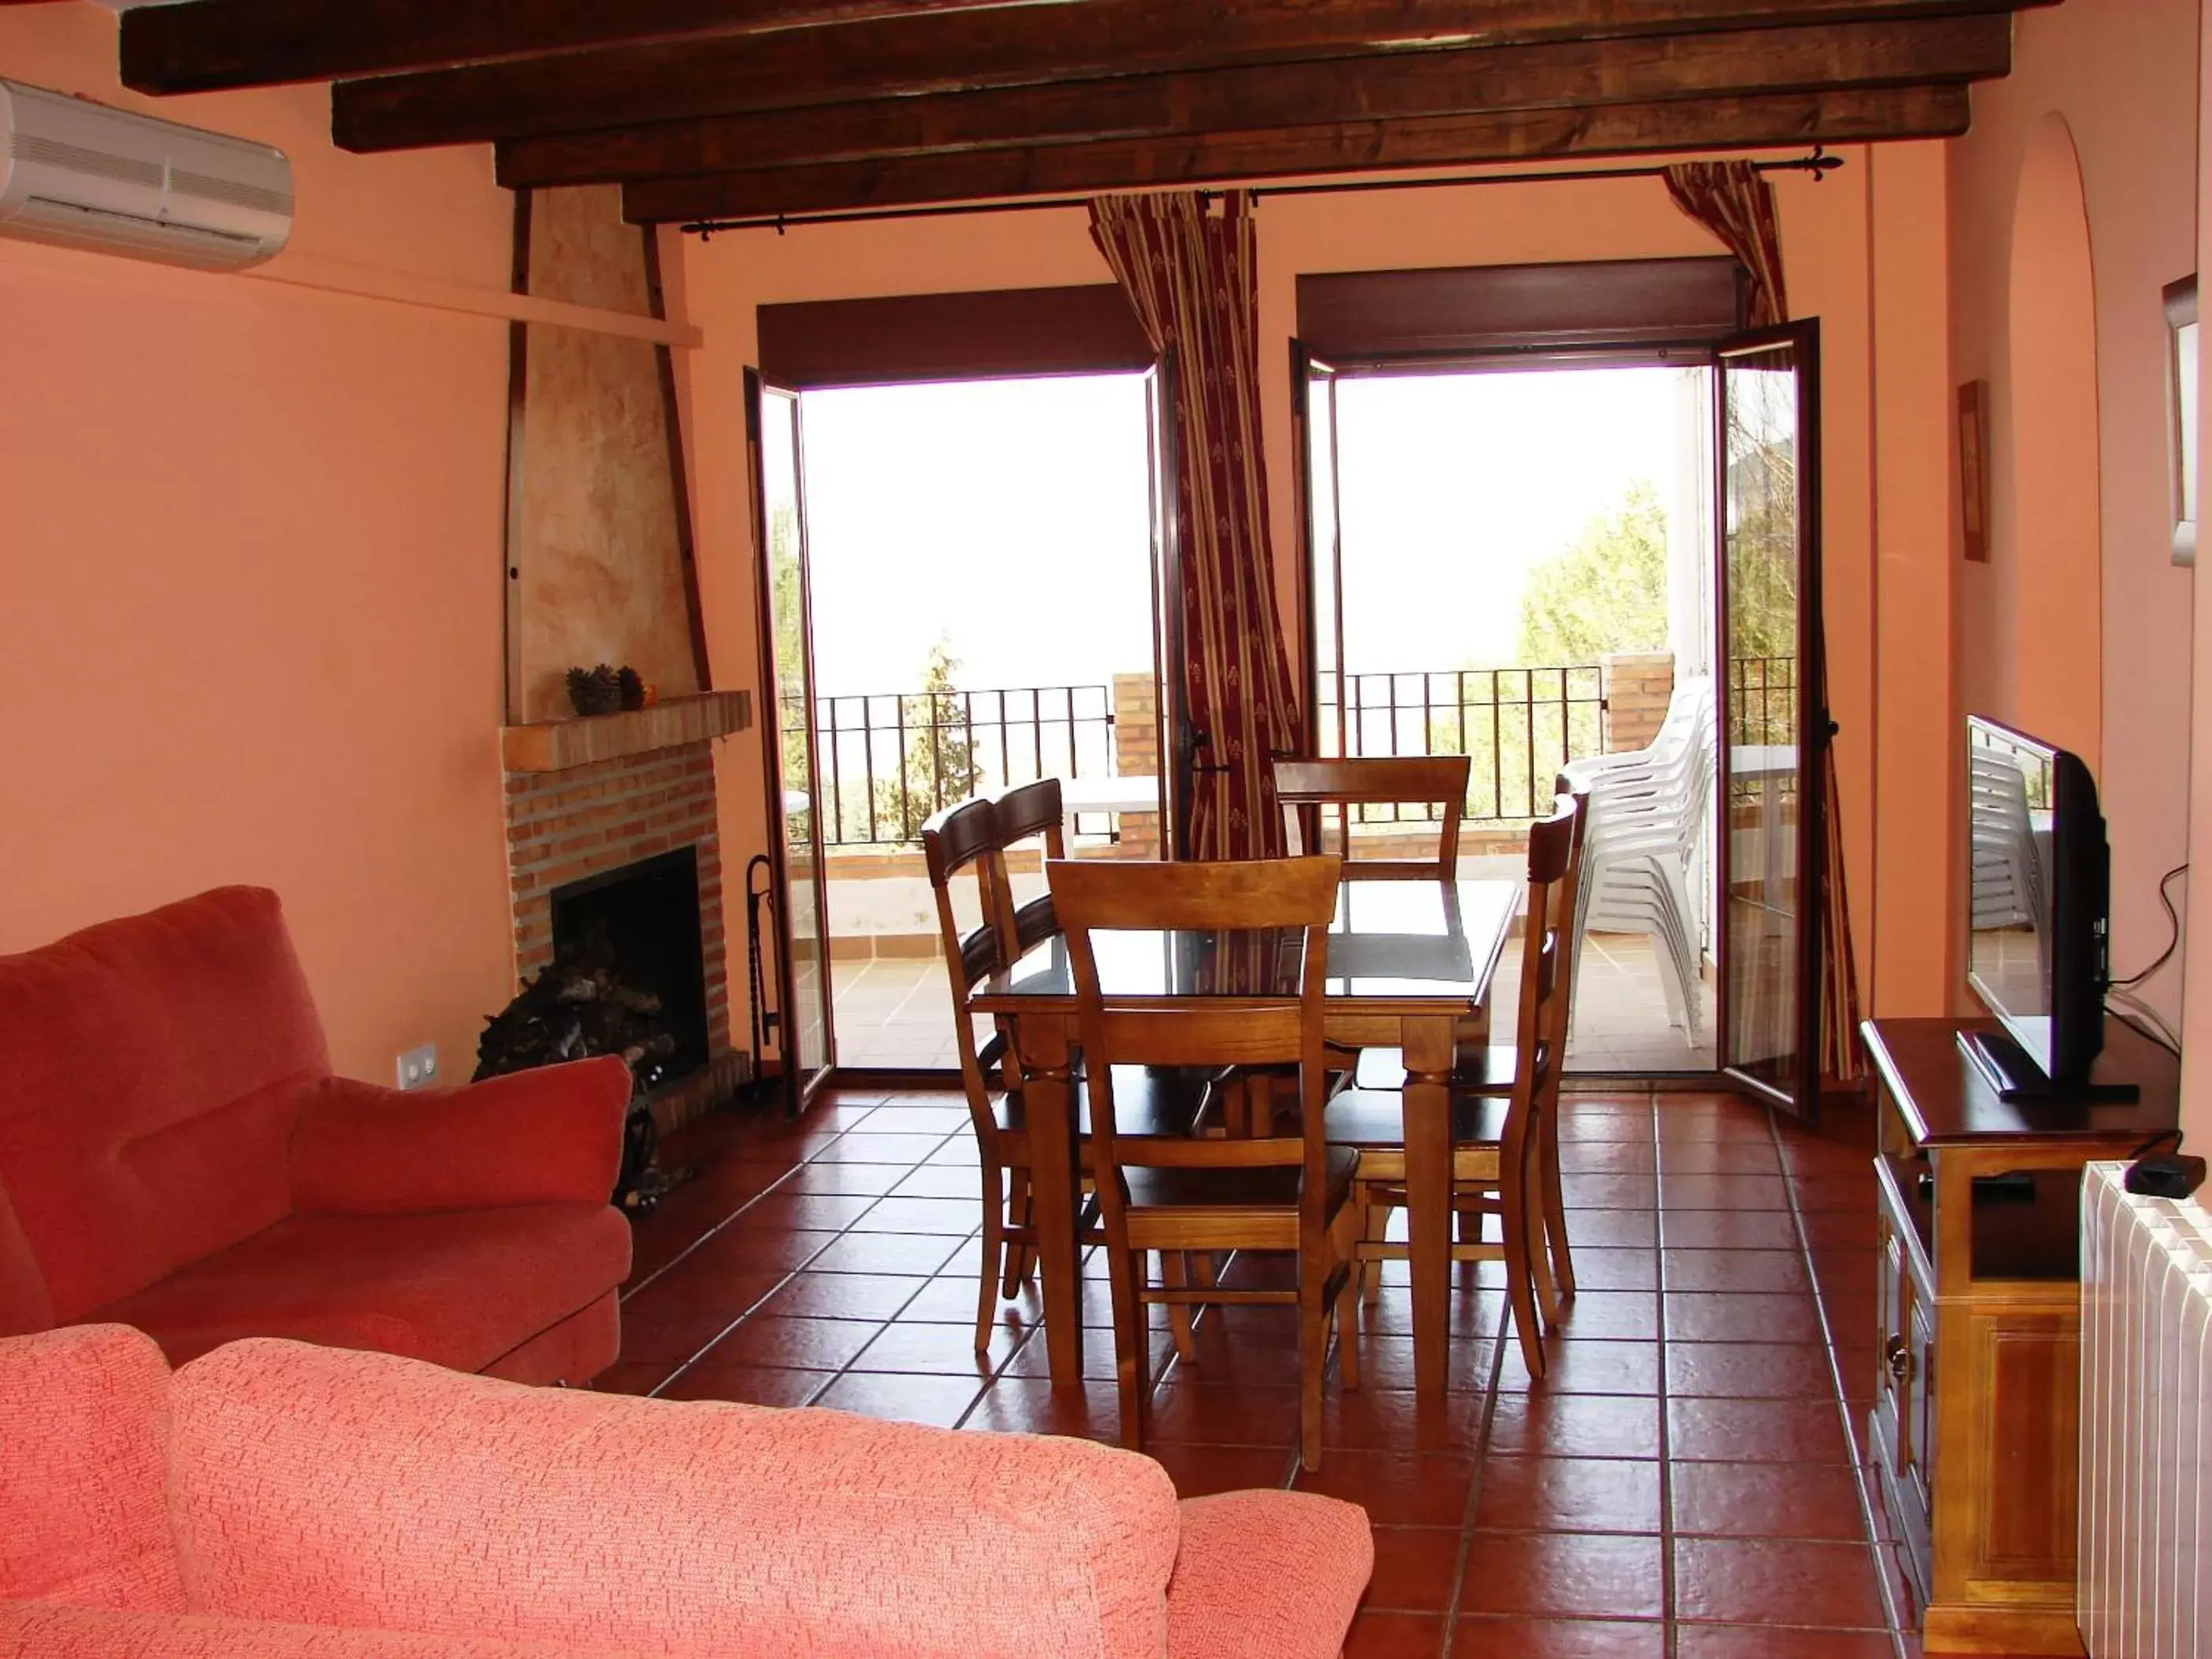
(176,1155)
(291,1502)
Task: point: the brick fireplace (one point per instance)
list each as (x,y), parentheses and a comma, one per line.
(587,800)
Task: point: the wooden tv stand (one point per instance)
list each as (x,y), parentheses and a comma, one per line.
(1975,1424)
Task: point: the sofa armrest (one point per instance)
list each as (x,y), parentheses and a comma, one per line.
(316,1485)
(1241,1550)
(553,1135)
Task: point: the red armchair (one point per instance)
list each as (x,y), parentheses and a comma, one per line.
(176,1155)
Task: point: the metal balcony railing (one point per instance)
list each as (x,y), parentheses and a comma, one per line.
(889,760)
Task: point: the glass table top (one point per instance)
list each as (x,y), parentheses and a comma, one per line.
(1390,941)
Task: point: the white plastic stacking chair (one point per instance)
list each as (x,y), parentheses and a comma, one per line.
(1647,828)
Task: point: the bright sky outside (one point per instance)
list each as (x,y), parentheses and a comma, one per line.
(1010,518)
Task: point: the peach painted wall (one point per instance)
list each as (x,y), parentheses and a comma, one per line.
(2196,1012)
(252,555)
(598,544)
(1828,231)
(2122,75)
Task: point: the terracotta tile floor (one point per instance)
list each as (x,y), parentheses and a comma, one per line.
(1686,1484)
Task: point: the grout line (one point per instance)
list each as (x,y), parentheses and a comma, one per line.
(1891,1611)
(1672,1639)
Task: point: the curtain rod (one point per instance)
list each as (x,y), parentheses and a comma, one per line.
(1819,164)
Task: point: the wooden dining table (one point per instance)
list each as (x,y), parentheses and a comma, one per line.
(1410,965)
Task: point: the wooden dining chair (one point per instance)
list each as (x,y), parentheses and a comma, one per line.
(1263,1193)
(971,840)
(1505,1145)
(1027,811)
(1306,788)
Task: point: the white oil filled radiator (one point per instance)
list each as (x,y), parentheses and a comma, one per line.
(2145,1589)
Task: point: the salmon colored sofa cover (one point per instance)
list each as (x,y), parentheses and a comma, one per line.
(175,1154)
(277,1498)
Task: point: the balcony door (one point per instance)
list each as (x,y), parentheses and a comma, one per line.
(1774,722)
(804,1028)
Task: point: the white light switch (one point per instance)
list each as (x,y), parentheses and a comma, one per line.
(418,1067)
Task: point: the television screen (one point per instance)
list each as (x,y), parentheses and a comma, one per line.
(2012,880)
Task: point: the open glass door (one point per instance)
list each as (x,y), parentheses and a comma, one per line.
(1774,724)
(1313,391)
(808,1040)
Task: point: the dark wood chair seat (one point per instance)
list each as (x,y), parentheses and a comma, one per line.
(1274,1190)
(1146,1102)
(1487,1070)
(1375,1120)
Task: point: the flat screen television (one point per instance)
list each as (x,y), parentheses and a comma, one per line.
(2039,873)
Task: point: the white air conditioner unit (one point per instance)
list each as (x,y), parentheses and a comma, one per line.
(83,176)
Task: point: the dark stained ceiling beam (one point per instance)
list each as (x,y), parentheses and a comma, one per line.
(1760,121)
(211,45)
(964,50)
(1397,86)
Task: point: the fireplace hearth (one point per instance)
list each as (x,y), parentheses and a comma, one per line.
(627,978)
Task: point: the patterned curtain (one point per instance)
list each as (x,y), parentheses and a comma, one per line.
(1734,202)
(1192,278)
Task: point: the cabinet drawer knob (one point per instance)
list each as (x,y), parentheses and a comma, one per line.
(1900,1357)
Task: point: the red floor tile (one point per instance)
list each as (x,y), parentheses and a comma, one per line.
(1723,1192)
(1756,1431)
(940,1401)
(1413,1569)
(1583,1494)
(1737,1642)
(1772,1271)
(1731,1157)
(1767,1500)
(1576,1426)
(1602,1268)
(805,1343)
(1748,1370)
(1586,1367)
(1610,1192)
(1739,1581)
(1558,1638)
(849,1295)
(1395,1636)
(1627,1315)
(1609,1157)
(1395,1490)
(876,1148)
(1032,1405)
(783,1213)
(753,1385)
(1198,1471)
(1724,1229)
(1189,1411)
(888,1253)
(956,1217)
(1567,1574)
(946,1349)
(1740,1316)
(1396,1420)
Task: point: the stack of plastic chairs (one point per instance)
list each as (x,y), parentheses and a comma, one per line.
(1647,830)
(2007,877)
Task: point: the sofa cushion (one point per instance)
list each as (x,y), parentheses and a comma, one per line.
(154,1068)
(1241,1550)
(24,1304)
(356,1489)
(458,1288)
(84,1509)
(43,1630)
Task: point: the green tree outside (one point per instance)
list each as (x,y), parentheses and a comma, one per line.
(1606,590)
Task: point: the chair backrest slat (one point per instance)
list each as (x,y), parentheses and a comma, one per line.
(1291,899)
(1555,860)
(1304,786)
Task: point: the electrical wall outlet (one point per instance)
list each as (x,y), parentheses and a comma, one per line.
(418,1067)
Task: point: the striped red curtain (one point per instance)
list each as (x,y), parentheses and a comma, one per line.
(1733,200)
(1192,276)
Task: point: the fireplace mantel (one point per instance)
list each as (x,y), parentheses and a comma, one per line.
(556,746)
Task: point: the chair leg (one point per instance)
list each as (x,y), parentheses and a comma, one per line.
(1174,1273)
(994,1249)
(1348,1326)
(1520,1285)
(1017,1258)
(1312,1356)
(1376,1229)
(1133,1350)
(1555,1209)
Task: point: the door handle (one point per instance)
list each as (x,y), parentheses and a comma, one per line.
(1899,1356)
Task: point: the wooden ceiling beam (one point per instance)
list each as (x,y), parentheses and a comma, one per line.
(1398,86)
(1772,120)
(967,51)
(213,46)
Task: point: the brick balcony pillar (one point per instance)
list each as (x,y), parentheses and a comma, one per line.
(1137,754)
(1638,684)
